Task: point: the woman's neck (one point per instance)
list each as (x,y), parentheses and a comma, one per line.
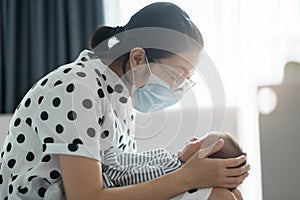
(117,67)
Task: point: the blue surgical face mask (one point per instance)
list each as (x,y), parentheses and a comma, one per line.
(155,95)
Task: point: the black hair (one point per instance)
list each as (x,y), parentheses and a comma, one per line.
(161,15)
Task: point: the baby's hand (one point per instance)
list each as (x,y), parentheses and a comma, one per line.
(190,149)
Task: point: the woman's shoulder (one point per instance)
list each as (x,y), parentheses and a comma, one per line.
(81,71)
(72,79)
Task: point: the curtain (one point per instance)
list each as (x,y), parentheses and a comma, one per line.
(37,36)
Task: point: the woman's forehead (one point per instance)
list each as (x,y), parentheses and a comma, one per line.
(187,61)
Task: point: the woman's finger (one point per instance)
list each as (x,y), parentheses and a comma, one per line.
(192,140)
(233,182)
(217,146)
(245,175)
(233,162)
(237,171)
(190,150)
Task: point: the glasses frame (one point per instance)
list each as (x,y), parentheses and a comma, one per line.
(180,82)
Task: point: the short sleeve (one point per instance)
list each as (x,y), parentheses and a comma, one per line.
(68,120)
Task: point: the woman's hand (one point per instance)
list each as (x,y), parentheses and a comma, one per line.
(190,149)
(195,144)
(206,172)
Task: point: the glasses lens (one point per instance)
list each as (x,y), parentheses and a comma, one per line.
(182,84)
(179,83)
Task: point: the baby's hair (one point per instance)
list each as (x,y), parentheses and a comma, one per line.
(231,148)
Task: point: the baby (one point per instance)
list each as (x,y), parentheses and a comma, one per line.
(125,168)
(231,148)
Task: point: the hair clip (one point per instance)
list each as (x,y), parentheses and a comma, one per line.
(112,42)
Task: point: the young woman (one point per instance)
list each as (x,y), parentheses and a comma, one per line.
(72,136)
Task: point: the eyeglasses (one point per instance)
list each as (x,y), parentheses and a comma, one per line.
(180,83)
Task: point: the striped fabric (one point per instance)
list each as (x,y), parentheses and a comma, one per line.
(121,169)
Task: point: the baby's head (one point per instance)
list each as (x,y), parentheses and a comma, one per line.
(231,149)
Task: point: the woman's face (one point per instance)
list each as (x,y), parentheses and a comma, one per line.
(169,69)
(174,63)
(175,71)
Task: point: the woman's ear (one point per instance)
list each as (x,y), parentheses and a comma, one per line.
(137,57)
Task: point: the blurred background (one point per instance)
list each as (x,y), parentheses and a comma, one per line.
(254,44)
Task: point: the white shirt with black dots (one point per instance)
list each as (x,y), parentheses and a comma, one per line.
(83,109)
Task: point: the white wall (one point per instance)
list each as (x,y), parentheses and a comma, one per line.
(171,129)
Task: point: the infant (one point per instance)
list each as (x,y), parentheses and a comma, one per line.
(231,148)
(131,168)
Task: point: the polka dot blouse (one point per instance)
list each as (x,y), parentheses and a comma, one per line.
(82,109)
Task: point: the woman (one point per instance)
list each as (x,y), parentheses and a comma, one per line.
(71,137)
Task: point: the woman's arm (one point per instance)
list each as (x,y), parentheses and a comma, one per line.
(82,178)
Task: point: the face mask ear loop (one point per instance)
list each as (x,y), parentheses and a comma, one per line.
(148,65)
(133,77)
(132,71)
